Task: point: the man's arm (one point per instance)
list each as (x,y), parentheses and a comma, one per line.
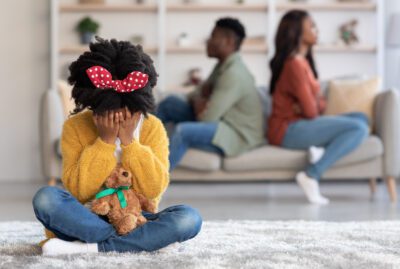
(199,105)
(225,94)
(200,97)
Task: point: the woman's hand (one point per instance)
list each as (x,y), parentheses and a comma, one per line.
(127,126)
(107,126)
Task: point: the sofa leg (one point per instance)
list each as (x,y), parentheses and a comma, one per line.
(391,185)
(52,181)
(372,186)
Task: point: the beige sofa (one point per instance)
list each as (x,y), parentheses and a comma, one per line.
(377,157)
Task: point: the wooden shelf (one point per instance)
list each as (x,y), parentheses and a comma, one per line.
(328,7)
(108,8)
(263,49)
(78,49)
(345,49)
(218,8)
(183,50)
(202,49)
(173,49)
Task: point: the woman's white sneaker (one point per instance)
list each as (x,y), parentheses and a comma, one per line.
(310,187)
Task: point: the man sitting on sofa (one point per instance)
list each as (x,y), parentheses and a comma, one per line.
(224,115)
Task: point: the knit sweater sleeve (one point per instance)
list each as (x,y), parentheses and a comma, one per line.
(301,90)
(84,168)
(148,160)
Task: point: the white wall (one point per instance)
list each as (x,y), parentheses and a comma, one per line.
(392,54)
(24,76)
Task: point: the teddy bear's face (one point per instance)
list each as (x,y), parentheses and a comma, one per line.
(119,177)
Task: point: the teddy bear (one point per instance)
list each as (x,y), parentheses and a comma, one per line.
(120,203)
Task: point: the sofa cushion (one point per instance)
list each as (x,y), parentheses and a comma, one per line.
(68,103)
(276,158)
(201,160)
(352,96)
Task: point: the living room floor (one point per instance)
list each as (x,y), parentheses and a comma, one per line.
(350,201)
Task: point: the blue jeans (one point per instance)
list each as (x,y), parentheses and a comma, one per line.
(69,220)
(339,135)
(188,132)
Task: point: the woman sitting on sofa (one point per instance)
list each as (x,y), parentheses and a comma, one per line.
(296,121)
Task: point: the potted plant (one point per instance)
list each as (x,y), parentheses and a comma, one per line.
(87,29)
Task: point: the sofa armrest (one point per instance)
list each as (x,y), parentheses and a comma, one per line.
(51,122)
(387,127)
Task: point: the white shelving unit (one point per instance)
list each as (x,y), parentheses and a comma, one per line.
(107,8)
(263,7)
(338,6)
(169,16)
(368,54)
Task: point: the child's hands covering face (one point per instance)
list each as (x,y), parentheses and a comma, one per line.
(127,125)
(107,125)
(116,123)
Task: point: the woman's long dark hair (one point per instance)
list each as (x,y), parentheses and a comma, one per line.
(287,41)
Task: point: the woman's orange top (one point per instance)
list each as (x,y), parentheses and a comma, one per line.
(296,87)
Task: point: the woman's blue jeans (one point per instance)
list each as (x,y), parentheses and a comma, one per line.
(69,220)
(339,135)
(188,132)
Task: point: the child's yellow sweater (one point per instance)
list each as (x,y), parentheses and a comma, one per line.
(88,160)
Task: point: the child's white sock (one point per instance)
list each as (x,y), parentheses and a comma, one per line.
(315,154)
(57,246)
(310,187)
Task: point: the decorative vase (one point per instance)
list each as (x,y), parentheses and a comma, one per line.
(86,37)
(183,40)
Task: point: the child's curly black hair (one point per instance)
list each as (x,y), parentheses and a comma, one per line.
(120,58)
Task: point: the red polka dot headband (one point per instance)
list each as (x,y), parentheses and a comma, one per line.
(101,78)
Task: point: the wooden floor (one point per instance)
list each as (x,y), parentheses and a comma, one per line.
(350,201)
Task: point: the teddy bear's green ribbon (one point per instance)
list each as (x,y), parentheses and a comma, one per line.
(120,194)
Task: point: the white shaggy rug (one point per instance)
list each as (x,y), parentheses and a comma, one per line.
(230,244)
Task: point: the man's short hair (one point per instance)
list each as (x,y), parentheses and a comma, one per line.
(233,25)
